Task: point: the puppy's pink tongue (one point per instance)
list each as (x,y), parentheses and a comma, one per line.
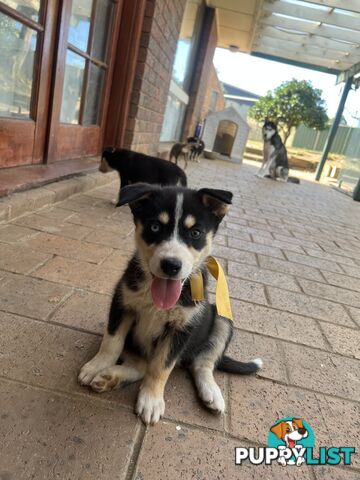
(165,292)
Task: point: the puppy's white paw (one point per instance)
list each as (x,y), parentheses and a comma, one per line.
(149,407)
(105,381)
(210,394)
(91,369)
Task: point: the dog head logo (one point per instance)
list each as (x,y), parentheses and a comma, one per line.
(291,436)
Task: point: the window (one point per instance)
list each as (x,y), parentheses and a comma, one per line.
(182,69)
(213,100)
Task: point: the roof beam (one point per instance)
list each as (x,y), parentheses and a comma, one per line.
(312,28)
(304,59)
(313,14)
(308,38)
(351,72)
(349,5)
(308,50)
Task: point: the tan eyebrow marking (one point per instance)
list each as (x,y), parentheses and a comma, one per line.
(164,218)
(189,221)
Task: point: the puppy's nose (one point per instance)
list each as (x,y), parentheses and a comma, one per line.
(170,266)
(302,431)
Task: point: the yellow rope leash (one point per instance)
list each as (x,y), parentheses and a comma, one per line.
(222,297)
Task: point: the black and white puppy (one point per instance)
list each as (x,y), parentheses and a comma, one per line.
(134,167)
(154,324)
(275,162)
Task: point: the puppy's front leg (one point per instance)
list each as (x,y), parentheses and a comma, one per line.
(110,350)
(150,403)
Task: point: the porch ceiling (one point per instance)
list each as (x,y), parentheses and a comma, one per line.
(321,33)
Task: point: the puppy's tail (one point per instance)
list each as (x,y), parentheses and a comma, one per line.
(230,365)
(293,180)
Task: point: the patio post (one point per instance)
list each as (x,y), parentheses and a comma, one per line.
(334,128)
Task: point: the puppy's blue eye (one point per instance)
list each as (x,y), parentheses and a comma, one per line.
(155,227)
(195,233)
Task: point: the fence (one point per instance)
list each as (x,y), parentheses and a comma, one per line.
(346,142)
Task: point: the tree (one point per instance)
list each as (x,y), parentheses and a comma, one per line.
(292,103)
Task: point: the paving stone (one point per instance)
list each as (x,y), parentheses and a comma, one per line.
(70,248)
(345,341)
(334,473)
(20,259)
(117,260)
(47,435)
(15,234)
(343,433)
(182,403)
(233,254)
(64,189)
(255,247)
(323,372)
(120,239)
(234,227)
(313,262)
(355,314)
(344,281)
(289,267)
(30,296)
(261,275)
(277,324)
(170,452)
(257,404)
(301,242)
(44,224)
(85,310)
(277,243)
(96,278)
(329,256)
(353,271)
(245,346)
(244,290)
(330,292)
(234,233)
(55,213)
(309,306)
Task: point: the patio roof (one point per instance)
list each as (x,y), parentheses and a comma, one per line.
(321,34)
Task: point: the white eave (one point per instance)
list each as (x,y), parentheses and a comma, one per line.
(319,33)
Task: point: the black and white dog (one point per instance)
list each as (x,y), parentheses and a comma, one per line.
(197,148)
(154,324)
(134,167)
(275,162)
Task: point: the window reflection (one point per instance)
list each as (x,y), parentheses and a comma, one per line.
(17,54)
(80,24)
(28,8)
(73,81)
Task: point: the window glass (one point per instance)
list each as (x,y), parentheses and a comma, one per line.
(93,95)
(17,55)
(73,81)
(102,28)
(186,43)
(173,119)
(80,24)
(28,8)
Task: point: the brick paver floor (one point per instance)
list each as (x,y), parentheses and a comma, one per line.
(292,255)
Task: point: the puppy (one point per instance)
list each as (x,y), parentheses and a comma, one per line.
(197,148)
(154,324)
(180,149)
(275,163)
(134,167)
(290,432)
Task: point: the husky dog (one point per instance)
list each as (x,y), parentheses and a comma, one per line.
(197,148)
(275,163)
(154,324)
(134,167)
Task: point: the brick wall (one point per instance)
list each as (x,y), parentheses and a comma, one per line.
(202,72)
(156,55)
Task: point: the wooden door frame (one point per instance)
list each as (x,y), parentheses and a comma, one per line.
(127,52)
(83,140)
(26,137)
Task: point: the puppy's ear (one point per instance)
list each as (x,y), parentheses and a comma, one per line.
(216,200)
(298,422)
(132,194)
(277,429)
